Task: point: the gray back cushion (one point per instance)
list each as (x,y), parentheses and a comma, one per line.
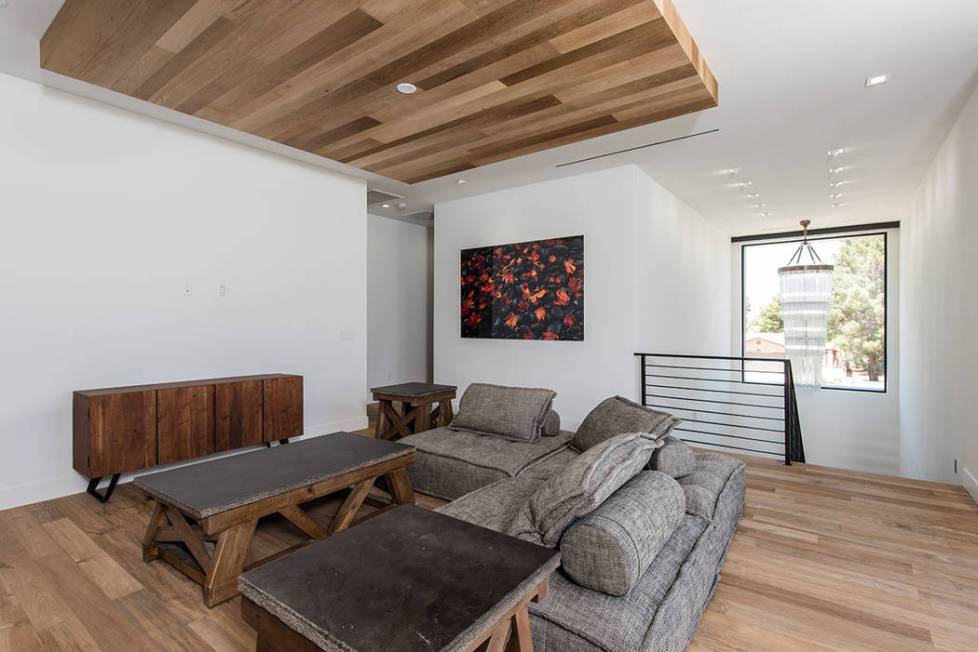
(675,458)
(580,487)
(617,415)
(611,548)
(551,424)
(511,412)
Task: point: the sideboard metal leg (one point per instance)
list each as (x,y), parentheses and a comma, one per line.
(103,497)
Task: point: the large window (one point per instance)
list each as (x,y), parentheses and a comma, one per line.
(855,357)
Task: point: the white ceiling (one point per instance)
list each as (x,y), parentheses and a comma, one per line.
(791,76)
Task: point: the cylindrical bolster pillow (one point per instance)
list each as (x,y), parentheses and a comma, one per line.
(674,458)
(611,548)
(551,424)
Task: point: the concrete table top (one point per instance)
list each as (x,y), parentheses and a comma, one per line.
(409,579)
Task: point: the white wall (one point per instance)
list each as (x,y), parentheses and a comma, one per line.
(399,274)
(107,215)
(842,428)
(623,216)
(939,356)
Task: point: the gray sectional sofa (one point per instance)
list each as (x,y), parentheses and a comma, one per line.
(640,560)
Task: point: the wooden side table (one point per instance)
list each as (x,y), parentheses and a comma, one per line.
(419,407)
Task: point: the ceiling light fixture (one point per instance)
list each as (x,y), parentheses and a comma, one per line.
(836,195)
(877,80)
(834,153)
(752,195)
(406,88)
(730,171)
(461,181)
(836,184)
(385,205)
(838,204)
(765,214)
(744,184)
(762,205)
(834,171)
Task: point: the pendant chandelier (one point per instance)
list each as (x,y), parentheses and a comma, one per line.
(806,302)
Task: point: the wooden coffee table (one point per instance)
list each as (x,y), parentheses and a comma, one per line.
(205,514)
(408,580)
(421,405)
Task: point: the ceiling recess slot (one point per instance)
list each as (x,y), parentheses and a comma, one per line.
(375,196)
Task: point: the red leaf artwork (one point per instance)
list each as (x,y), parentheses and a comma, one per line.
(527,290)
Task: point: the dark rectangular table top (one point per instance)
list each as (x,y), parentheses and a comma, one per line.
(414,390)
(409,579)
(209,488)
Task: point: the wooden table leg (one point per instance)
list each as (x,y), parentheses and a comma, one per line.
(522,639)
(351,506)
(227,562)
(400,484)
(445,413)
(422,417)
(151,549)
(381,430)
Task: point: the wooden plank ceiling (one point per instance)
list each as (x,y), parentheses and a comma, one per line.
(496,78)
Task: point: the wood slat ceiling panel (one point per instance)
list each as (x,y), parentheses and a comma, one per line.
(496,78)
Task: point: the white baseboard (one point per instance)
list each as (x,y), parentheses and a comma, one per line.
(66,485)
(970,483)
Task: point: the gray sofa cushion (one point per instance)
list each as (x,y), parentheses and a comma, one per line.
(551,464)
(616,415)
(451,463)
(511,412)
(493,506)
(583,485)
(703,486)
(674,458)
(551,424)
(611,548)
(663,609)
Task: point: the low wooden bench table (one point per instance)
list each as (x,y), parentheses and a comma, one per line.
(408,580)
(421,406)
(212,508)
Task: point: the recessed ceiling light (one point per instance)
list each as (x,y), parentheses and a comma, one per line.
(385,205)
(745,184)
(837,195)
(766,214)
(406,88)
(752,195)
(402,206)
(877,80)
(759,206)
(833,153)
(838,204)
(838,170)
(461,181)
(730,171)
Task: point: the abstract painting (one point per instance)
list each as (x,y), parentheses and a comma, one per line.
(524,291)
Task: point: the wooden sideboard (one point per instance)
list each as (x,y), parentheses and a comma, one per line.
(122,429)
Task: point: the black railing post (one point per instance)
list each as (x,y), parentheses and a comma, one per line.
(642,380)
(787,413)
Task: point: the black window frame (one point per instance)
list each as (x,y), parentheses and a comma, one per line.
(790,238)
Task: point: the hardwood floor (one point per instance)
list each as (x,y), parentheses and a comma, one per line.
(824,560)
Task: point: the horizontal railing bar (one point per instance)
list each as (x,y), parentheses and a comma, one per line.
(706,400)
(717,391)
(719,434)
(739,371)
(710,357)
(736,448)
(689,409)
(715,380)
(733,425)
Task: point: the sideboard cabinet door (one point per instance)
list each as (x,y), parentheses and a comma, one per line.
(238,410)
(185,422)
(282,407)
(116,433)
